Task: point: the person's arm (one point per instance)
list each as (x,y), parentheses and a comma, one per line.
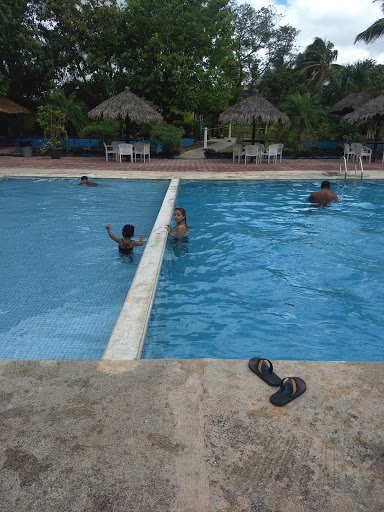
(115,238)
(335,198)
(180,231)
(139,242)
(310,199)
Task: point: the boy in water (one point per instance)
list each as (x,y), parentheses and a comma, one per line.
(84,181)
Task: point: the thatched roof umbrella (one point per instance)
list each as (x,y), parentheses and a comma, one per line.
(351,102)
(252,109)
(373,110)
(8,106)
(128,106)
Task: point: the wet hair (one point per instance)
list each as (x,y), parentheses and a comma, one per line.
(326,184)
(182,211)
(128,231)
(84,178)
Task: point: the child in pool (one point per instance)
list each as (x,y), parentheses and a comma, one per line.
(179,232)
(126,245)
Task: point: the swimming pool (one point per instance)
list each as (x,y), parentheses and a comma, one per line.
(266,275)
(63,281)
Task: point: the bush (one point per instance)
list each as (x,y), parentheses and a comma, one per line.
(169,138)
(103,131)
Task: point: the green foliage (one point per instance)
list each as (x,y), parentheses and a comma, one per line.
(52,121)
(306,118)
(317,61)
(75,111)
(374,31)
(259,44)
(169,138)
(103,131)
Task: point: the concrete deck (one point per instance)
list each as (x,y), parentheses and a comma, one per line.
(188,435)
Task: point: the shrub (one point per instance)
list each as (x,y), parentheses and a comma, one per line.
(103,131)
(169,138)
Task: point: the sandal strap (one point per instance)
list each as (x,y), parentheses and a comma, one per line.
(293,384)
(260,366)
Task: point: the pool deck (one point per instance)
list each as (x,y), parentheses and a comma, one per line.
(188,435)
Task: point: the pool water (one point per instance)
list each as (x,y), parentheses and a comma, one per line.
(63,282)
(265,274)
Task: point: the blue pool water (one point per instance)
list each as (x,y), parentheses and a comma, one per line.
(63,281)
(266,275)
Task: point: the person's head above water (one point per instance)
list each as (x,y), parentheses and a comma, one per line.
(128,231)
(84,179)
(325,185)
(179,216)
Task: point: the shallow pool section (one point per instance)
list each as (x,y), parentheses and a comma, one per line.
(265,274)
(63,281)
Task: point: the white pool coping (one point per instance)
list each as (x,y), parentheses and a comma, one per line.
(128,335)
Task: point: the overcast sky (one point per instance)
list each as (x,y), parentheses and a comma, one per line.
(338,21)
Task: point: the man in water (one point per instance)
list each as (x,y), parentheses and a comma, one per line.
(324,196)
(84,181)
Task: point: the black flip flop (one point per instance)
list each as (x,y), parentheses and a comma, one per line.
(290,388)
(264,369)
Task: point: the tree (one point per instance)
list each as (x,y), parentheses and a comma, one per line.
(259,44)
(305,119)
(373,32)
(25,68)
(317,61)
(75,111)
(177,53)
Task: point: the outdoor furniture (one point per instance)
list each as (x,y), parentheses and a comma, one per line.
(111,149)
(237,152)
(252,151)
(273,152)
(348,151)
(360,151)
(142,149)
(125,150)
(280,150)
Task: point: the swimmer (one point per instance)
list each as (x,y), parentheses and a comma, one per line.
(84,181)
(324,196)
(179,232)
(126,245)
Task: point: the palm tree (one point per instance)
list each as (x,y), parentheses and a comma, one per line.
(76,111)
(305,119)
(373,32)
(318,60)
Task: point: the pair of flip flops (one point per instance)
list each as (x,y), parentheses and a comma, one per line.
(290,387)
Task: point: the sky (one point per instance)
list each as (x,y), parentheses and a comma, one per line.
(337,21)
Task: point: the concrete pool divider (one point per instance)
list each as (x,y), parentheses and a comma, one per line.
(128,335)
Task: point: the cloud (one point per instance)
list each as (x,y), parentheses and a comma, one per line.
(338,21)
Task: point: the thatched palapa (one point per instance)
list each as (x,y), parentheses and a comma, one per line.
(8,106)
(373,110)
(252,109)
(128,106)
(351,102)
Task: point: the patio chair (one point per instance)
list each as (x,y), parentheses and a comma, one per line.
(361,151)
(273,152)
(280,150)
(237,152)
(111,149)
(348,151)
(252,151)
(142,149)
(125,150)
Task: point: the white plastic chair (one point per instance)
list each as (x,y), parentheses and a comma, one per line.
(111,149)
(142,150)
(348,151)
(361,151)
(125,150)
(252,151)
(280,150)
(237,152)
(273,152)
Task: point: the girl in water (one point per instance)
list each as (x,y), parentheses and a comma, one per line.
(126,245)
(179,232)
